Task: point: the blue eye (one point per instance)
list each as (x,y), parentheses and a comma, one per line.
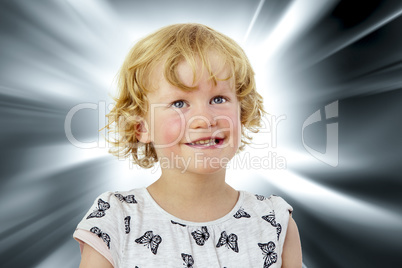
(178,104)
(219,100)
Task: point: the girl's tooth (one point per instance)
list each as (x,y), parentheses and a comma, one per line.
(209,142)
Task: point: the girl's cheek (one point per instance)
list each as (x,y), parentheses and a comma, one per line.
(171,130)
(230,120)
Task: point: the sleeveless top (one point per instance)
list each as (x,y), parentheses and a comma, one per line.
(131,230)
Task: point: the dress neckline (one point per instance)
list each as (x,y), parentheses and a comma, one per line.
(191,223)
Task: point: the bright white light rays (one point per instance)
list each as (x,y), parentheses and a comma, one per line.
(300,15)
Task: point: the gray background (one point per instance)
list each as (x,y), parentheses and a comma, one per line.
(55,55)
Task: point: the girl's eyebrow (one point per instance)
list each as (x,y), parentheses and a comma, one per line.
(173,94)
(177,93)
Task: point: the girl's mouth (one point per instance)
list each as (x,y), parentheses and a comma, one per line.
(206,143)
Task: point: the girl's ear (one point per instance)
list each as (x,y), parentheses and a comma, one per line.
(142,132)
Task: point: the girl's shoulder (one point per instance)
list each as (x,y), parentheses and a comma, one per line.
(261,203)
(120,202)
(108,219)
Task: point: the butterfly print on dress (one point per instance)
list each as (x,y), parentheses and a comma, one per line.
(278,230)
(271,219)
(128,199)
(100,211)
(270,257)
(230,241)
(201,236)
(127,224)
(188,260)
(241,214)
(150,240)
(260,197)
(105,237)
(182,225)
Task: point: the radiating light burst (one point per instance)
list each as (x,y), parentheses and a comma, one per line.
(344,208)
(299,17)
(306,54)
(265,56)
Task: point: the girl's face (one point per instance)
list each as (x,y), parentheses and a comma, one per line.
(195,131)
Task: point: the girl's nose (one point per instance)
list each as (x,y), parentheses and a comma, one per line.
(203,118)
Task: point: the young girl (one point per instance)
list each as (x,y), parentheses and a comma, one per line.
(187,96)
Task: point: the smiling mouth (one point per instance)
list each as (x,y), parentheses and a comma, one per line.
(206,143)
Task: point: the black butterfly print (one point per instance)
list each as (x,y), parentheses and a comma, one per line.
(268,250)
(149,239)
(100,211)
(188,260)
(182,225)
(200,236)
(271,219)
(278,230)
(128,199)
(229,241)
(260,197)
(105,237)
(127,224)
(241,214)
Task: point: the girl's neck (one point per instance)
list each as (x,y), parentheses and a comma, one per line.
(194,197)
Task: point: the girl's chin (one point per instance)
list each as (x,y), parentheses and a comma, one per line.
(200,164)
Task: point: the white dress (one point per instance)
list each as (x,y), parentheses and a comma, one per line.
(131,230)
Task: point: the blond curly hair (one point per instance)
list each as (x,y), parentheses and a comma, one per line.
(172,45)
